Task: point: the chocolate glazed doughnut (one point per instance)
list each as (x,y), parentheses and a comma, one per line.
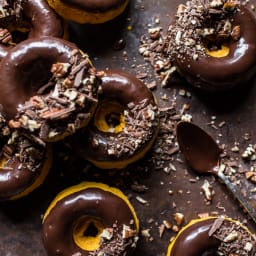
(233,64)
(101,5)
(27,68)
(48,87)
(27,16)
(213,236)
(24,163)
(125,123)
(89,11)
(90,219)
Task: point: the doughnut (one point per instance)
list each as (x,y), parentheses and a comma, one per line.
(124,125)
(89,11)
(213,236)
(90,219)
(48,87)
(24,163)
(213,44)
(21,19)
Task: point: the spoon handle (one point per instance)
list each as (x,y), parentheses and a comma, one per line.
(238,195)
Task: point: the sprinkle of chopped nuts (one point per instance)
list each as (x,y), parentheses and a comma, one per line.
(179,218)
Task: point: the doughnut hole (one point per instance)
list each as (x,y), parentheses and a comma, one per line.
(3,160)
(221,52)
(35,76)
(109,117)
(86,233)
(19,31)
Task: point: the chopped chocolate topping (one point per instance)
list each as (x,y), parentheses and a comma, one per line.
(141,121)
(201,25)
(25,150)
(61,107)
(115,241)
(10,11)
(5,36)
(235,239)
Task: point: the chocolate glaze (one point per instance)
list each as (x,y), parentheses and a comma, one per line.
(235,69)
(15,176)
(27,67)
(195,241)
(43,21)
(95,5)
(120,87)
(14,180)
(92,202)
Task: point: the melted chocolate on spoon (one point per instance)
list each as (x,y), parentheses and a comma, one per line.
(203,155)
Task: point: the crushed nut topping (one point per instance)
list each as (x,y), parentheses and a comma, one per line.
(118,240)
(23,149)
(61,107)
(199,25)
(202,24)
(5,36)
(141,124)
(234,238)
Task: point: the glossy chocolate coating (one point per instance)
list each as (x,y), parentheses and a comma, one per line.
(120,87)
(92,202)
(195,241)
(27,67)
(43,21)
(124,88)
(235,69)
(95,5)
(14,180)
(18,172)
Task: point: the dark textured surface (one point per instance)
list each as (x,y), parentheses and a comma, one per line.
(21,220)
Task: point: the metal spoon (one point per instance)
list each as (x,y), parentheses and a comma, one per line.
(203,155)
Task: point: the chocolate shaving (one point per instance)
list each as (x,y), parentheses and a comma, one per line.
(5,36)
(79,77)
(141,124)
(199,25)
(115,244)
(57,107)
(234,238)
(216,225)
(45,87)
(24,151)
(77,68)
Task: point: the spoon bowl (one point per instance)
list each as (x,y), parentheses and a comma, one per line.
(202,154)
(199,149)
